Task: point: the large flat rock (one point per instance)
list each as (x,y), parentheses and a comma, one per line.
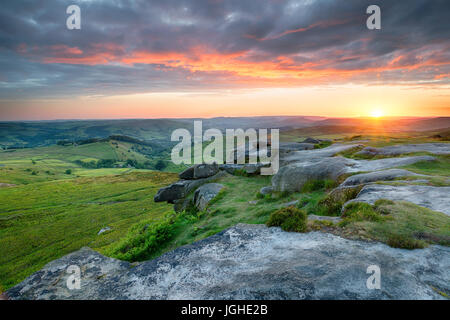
(381,164)
(433,148)
(384,175)
(316,154)
(435,198)
(252,262)
(293,176)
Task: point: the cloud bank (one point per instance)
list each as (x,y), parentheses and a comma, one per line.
(135,46)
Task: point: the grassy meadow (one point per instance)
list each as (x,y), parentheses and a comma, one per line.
(55,206)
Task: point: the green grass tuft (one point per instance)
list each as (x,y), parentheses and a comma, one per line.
(404,242)
(290,219)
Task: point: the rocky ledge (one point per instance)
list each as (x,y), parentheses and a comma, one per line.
(251,262)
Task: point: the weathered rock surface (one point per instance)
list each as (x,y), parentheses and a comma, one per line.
(313,217)
(51,282)
(385,175)
(266,190)
(181,204)
(199,171)
(381,164)
(299,167)
(434,148)
(103,230)
(286,147)
(205,194)
(6,185)
(293,176)
(435,198)
(247,168)
(311,140)
(251,262)
(182,188)
(316,154)
(290,204)
(175,191)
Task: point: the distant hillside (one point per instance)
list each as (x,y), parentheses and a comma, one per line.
(44,133)
(158,131)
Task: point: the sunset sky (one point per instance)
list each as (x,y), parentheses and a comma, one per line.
(207,58)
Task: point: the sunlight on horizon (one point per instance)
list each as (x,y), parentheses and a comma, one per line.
(377,113)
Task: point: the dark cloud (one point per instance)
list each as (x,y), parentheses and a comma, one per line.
(128,46)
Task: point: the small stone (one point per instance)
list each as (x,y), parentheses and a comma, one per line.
(103,230)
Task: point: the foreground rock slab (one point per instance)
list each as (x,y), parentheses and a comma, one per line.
(251,262)
(434,198)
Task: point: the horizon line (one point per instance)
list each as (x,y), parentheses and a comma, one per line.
(226,117)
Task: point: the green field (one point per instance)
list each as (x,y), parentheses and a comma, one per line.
(42,221)
(56,206)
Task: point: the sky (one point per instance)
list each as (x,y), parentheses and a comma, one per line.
(208,58)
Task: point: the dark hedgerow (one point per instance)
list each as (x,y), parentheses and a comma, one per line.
(290,219)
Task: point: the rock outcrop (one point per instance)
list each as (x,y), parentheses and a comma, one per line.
(199,171)
(180,189)
(302,166)
(266,190)
(250,169)
(287,147)
(385,175)
(205,194)
(433,148)
(435,198)
(311,140)
(251,262)
(316,154)
(293,176)
(381,164)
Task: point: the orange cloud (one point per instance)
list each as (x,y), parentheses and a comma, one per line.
(281,70)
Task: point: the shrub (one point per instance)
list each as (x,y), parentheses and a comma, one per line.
(333,202)
(160,165)
(144,240)
(404,242)
(289,219)
(382,206)
(360,211)
(259,195)
(69,171)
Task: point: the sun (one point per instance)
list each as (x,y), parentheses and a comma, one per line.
(377,113)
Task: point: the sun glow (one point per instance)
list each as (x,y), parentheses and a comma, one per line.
(377,113)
